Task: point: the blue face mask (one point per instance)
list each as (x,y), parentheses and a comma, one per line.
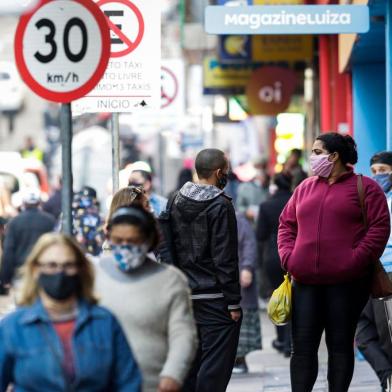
(129,257)
(384,180)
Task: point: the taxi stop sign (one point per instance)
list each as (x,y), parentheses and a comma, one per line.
(62,48)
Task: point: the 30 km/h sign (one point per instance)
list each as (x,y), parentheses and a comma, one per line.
(62,48)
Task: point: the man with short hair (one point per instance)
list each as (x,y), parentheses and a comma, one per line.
(373,337)
(141,175)
(294,168)
(204,230)
(22,232)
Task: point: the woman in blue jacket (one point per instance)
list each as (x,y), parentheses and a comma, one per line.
(59,339)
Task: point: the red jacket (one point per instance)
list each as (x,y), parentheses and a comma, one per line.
(321,237)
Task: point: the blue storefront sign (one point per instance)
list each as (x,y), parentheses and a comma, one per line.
(234,2)
(234,48)
(306,19)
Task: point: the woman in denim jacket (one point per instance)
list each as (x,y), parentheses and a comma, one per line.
(59,339)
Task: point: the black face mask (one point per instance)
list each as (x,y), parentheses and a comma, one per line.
(222,182)
(59,286)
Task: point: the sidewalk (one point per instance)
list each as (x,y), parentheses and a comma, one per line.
(269,371)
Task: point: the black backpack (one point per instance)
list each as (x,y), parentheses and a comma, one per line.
(166,247)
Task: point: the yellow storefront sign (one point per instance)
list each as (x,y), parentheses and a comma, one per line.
(284,47)
(230,79)
(289,48)
(277,2)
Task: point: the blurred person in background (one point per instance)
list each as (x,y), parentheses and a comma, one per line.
(373,337)
(250,333)
(185,175)
(59,339)
(28,181)
(293,168)
(53,204)
(250,194)
(31,151)
(151,300)
(233,183)
(141,175)
(267,237)
(22,232)
(87,222)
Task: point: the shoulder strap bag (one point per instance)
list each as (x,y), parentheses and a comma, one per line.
(381,286)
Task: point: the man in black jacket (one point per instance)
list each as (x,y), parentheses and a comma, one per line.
(204,230)
(22,232)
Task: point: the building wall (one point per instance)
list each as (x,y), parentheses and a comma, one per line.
(369,97)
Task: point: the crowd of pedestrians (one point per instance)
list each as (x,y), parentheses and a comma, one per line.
(164,294)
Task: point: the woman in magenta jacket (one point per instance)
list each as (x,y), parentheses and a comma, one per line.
(324,246)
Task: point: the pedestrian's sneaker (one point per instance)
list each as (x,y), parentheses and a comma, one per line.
(240,369)
(277,345)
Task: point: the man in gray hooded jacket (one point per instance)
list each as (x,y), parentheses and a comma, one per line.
(204,230)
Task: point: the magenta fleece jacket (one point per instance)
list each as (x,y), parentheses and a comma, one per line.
(321,237)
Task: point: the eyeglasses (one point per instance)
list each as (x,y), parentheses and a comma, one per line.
(53,267)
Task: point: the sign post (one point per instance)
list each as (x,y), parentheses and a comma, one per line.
(66,157)
(115,128)
(62,49)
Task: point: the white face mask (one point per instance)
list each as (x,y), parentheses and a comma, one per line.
(129,257)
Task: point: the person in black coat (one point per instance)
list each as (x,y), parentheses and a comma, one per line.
(267,234)
(205,238)
(21,234)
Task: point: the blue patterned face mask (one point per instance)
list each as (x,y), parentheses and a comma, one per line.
(129,257)
(384,180)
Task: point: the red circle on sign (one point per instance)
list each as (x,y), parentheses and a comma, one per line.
(131,45)
(164,95)
(63,97)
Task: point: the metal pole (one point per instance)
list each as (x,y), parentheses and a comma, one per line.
(67,188)
(162,154)
(115,125)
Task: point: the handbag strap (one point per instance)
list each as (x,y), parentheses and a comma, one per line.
(361,194)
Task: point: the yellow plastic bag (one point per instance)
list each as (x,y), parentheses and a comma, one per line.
(279,306)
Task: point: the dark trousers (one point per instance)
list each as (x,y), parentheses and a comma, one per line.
(283,334)
(373,339)
(335,309)
(218,341)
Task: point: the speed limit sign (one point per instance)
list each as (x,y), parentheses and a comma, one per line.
(62,48)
